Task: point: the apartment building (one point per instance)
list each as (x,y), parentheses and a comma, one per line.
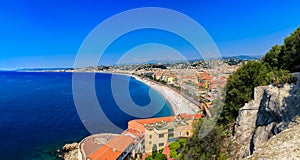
(158,131)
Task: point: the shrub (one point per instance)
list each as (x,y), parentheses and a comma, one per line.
(182,142)
(174,146)
(173,154)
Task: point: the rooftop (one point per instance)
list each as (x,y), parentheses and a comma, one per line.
(113,148)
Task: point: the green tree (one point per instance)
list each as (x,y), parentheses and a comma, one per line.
(272,57)
(240,88)
(174,146)
(182,142)
(154,150)
(291,52)
(160,156)
(285,56)
(204,148)
(173,154)
(149,158)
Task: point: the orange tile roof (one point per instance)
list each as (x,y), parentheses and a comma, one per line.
(135,132)
(190,116)
(131,130)
(105,153)
(154,120)
(206,77)
(167,119)
(112,149)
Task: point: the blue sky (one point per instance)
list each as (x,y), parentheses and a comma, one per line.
(48,33)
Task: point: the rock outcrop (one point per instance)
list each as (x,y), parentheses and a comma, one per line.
(285,145)
(272,111)
(69,151)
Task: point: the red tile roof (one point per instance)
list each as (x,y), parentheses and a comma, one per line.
(167,119)
(112,149)
(154,120)
(105,153)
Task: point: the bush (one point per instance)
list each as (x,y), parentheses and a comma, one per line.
(182,142)
(149,158)
(204,148)
(280,77)
(173,154)
(160,156)
(174,146)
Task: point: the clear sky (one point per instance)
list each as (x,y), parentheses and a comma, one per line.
(48,33)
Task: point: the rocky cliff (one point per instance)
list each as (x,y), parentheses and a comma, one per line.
(285,145)
(69,152)
(273,110)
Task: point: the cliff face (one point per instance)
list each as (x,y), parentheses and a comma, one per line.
(285,145)
(272,111)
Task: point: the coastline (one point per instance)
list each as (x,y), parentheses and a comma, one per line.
(178,103)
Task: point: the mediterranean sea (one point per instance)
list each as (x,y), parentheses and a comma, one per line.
(38,114)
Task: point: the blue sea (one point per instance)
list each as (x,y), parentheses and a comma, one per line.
(38,113)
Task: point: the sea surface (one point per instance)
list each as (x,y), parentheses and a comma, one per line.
(38,113)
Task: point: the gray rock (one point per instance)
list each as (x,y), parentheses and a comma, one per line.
(70,151)
(272,111)
(69,147)
(285,145)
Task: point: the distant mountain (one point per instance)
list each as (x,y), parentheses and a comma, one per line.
(244,57)
(238,57)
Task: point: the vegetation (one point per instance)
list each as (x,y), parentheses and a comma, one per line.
(232,62)
(286,56)
(182,142)
(240,88)
(156,155)
(271,59)
(154,150)
(274,68)
(176,147)
(209,147)
(290,53)
(280,77)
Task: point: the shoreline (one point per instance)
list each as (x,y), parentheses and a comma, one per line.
(177,102)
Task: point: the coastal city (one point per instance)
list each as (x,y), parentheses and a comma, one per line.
(149,80)
(190,88)
(202,79)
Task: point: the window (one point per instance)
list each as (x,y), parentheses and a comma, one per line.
(170,135)
(180,134)
(150,142)
(161,135)
(187,133)
(150,136)
(171,130)
(161,144)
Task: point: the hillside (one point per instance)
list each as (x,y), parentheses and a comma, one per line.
(272,111)
(282,146)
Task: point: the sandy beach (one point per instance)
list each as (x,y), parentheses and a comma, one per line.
(178,103)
